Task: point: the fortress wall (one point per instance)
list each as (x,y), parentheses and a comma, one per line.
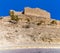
(36,12)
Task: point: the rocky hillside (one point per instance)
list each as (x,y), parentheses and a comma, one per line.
(32,26)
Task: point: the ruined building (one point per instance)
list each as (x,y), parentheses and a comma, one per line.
(36,14)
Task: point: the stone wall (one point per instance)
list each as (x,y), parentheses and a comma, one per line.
(36,12)
(58,24)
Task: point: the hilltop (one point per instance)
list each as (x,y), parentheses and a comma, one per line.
(32,26)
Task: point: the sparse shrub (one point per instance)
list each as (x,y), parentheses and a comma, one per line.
(14,17)
(33,38)
(27,20)
(11,13)
(53,22)
(26,26)
(39,23)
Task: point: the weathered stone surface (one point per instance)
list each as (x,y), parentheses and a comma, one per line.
(16,12)
(58,24)
(36,12)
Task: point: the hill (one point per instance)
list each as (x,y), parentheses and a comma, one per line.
(32,27)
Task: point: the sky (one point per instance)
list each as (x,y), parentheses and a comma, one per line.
(52,6)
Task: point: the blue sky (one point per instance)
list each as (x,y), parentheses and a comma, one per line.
(52,6)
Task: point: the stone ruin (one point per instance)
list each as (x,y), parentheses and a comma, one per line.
(37,12)
(34,12)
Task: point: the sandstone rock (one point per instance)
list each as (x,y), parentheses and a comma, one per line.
(36,12)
